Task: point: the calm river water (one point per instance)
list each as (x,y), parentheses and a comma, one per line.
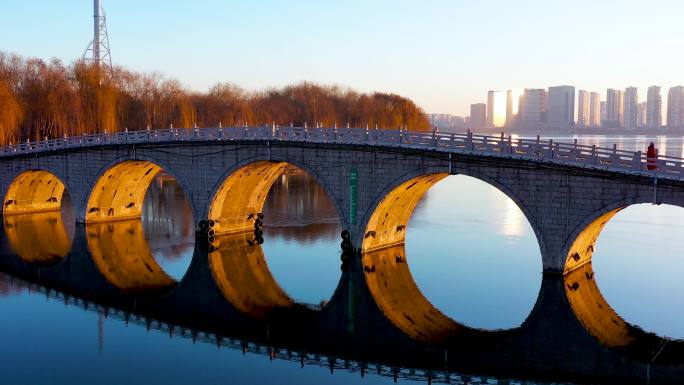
(469,249)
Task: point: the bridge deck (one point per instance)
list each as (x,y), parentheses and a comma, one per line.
(538,150)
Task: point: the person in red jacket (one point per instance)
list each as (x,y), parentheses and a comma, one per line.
(651,157)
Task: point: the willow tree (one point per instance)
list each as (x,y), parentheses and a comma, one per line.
(11,115)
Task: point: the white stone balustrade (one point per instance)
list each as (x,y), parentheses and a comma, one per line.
(539,150)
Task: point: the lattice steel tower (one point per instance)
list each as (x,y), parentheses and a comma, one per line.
(99,46)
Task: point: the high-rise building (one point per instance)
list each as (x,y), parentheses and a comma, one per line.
(583,109)
(641,116)
(496,109)
(614,109)
(534,107)
(513,103)
(631,107)
(654,105)
(603,111)
(596,109)
(509,109)
(478,115)
(675,107)
(561,107)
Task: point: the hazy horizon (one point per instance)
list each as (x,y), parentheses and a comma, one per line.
(443,55)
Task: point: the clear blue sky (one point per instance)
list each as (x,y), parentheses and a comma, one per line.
(443,54)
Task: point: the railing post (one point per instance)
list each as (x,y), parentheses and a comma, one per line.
(593,154)
(636,161)
(551,148)
(469,141)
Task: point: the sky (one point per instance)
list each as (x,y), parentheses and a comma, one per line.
(442,54)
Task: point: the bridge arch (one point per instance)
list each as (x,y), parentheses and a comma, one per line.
(241,192)
(588,304)
(584,235)
(118,191)
(386,270)
(33,190)
(383,225)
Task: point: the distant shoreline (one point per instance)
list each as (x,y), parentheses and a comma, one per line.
(572,132)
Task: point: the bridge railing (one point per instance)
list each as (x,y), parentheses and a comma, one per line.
(532,149)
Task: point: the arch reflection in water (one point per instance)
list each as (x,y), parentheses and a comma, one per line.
(121,253)
(593,311)
(398,297)
(585,298)
(610,330)
(42,238)
(638,268)
(242,275)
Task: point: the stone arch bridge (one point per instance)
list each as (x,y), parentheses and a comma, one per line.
(374,177)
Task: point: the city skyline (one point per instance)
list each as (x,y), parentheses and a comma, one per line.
(616,109)
(433,52)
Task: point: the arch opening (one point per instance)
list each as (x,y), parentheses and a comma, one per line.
(633,280)
(33,191)
(388,224)
(151,252)
(289,211)
(471,255)
(241,197)
(120,192)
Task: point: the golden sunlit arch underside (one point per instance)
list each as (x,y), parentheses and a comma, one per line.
(242,275)
(119,193)
(586,300)
(33,191)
